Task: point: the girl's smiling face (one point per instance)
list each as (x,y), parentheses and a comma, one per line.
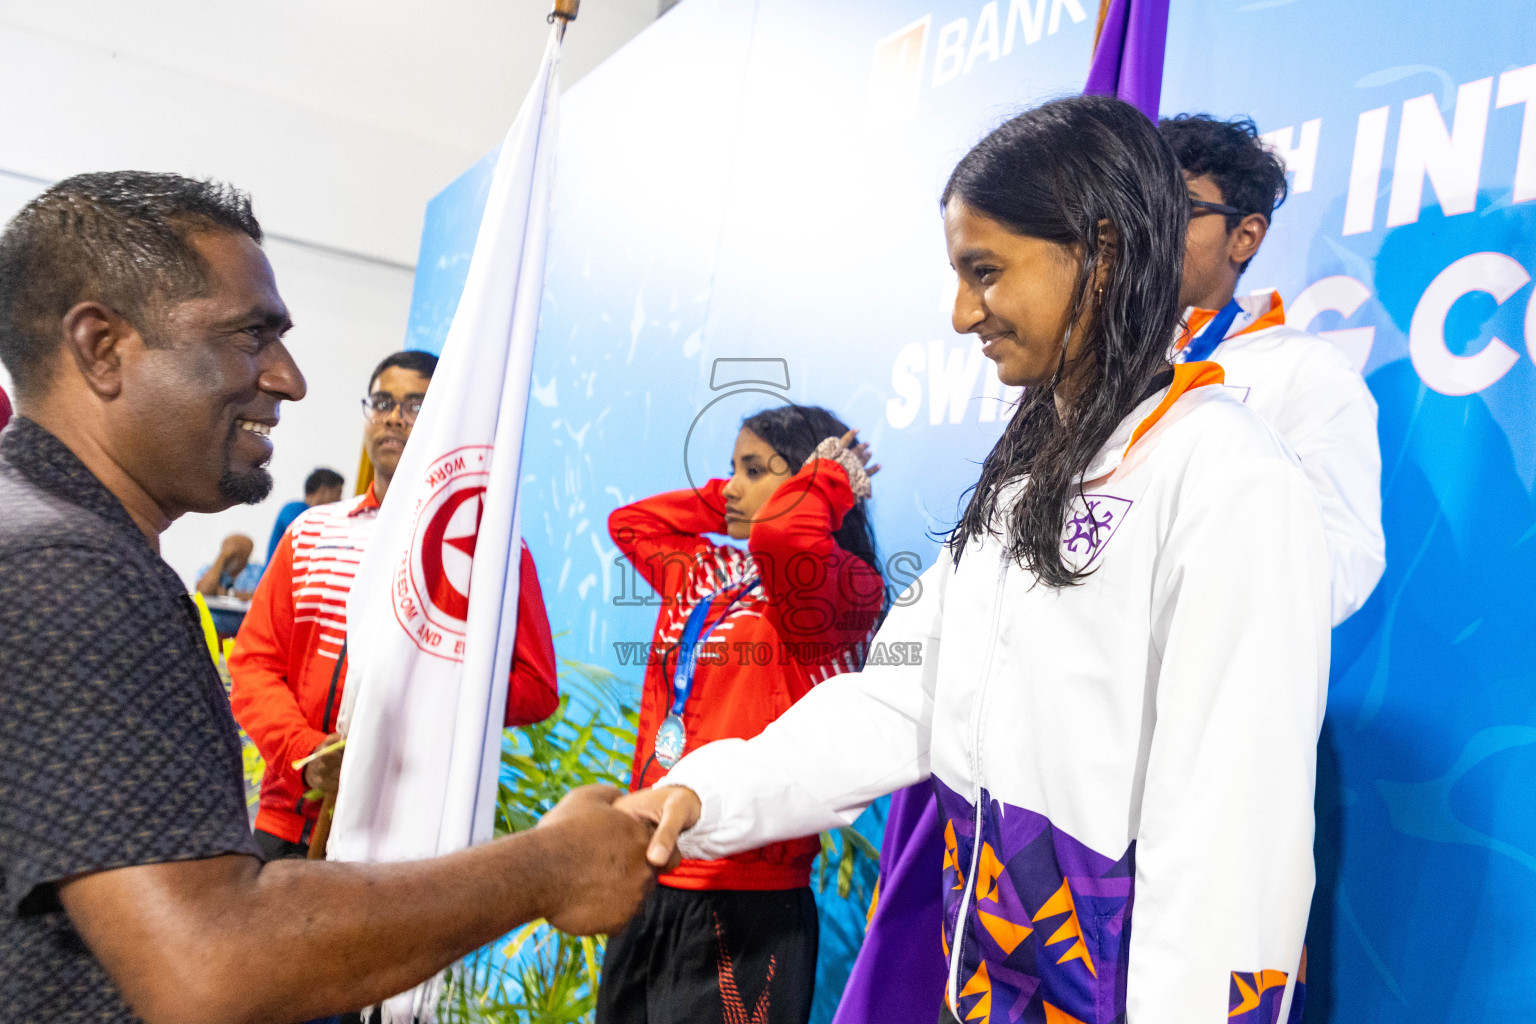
(756,472)
(1015,294)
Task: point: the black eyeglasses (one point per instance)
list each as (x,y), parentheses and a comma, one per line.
(378,406)
(1201,204)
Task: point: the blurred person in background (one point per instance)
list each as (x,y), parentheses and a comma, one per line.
(322,487)
(231,573)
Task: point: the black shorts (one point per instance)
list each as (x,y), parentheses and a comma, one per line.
(698,957)
(272,848)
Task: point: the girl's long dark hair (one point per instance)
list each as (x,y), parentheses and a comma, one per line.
(794,431)
(1057,173)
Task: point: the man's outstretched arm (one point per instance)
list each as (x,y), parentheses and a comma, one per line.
(228,940)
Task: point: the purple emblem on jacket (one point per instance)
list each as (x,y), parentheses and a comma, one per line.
(1094,519)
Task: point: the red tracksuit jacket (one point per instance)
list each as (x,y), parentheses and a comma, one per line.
(817,605)
(286,688)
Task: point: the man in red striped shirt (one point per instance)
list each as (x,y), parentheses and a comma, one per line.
(288,663)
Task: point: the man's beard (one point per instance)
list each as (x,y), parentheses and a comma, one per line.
(248,488)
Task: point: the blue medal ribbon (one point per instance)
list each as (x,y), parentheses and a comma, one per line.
(672,738)
(1201,347)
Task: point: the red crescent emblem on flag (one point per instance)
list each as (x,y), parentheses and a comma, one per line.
(442,590)
(431,584)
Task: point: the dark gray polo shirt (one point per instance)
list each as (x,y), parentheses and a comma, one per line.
(116,742)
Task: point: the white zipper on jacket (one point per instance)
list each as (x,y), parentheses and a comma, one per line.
(970,881)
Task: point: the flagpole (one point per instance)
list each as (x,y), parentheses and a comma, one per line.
(564,12)
(1098,30)
(320,837)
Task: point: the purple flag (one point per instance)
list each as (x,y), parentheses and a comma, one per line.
(1128,60)
(900,973)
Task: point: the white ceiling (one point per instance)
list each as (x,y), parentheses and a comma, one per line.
(343,117)
(448,72)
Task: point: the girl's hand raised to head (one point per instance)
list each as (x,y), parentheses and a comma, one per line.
(853,455)
(860,450)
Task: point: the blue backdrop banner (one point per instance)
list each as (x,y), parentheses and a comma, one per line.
(1410,239)
(759,181)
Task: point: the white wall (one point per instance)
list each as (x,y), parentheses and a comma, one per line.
(342,118)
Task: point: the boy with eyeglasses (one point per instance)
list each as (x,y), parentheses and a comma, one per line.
(289,661)
(1303,386)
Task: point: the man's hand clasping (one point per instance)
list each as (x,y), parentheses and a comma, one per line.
(600,876)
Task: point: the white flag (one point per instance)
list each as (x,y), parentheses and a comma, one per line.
(432,616)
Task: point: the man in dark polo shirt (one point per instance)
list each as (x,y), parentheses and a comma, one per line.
(143,330)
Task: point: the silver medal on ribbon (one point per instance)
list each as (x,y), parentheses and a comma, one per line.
(671,739)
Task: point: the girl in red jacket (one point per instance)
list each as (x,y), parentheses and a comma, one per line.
(741,636)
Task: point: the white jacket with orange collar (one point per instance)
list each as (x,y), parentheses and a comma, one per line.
(1309,391)
(1126,765)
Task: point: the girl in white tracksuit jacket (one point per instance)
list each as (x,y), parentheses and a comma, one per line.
(1125,644)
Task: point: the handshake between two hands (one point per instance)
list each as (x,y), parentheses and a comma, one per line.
(611,845)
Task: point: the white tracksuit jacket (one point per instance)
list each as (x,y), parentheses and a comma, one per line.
(1135,754)
(1308,390)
